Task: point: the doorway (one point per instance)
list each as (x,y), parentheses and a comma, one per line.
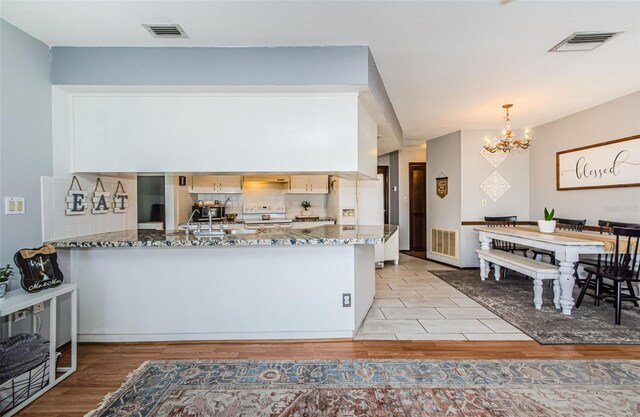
(417,207)
(384,171)
(151,202)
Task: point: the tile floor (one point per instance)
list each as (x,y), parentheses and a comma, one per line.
(413,304)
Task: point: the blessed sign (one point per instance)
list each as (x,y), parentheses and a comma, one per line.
(609,164)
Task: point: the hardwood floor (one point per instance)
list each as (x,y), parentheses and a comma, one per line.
(104,367)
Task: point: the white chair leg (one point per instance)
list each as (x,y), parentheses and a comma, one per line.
(537,293)
(483,269)
(556,293)
(496,272)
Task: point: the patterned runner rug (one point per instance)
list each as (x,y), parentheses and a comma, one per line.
(378,388)
(512,300)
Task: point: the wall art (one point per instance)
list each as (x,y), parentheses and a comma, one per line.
(120,200)
(100,199)
(442,185)
(76,202)
(495,186)
(38,268)
(495,158)
(611,164)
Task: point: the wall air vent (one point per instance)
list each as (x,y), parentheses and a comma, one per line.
(166,31)
(444,242)
(584,41)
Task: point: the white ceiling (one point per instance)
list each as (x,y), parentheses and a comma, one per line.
(447,65)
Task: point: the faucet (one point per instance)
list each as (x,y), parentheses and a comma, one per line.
(191,217)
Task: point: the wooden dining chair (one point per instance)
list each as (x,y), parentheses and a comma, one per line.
(561,224)
(621,269)
(505,221)
(605,227)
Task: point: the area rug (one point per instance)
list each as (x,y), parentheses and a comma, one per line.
(511,299)
(378,388)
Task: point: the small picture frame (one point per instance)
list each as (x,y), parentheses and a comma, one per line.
(39,268)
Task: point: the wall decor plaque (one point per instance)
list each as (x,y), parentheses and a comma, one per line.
(38,268)
(120,200)
(611,164)
(442,186)
(76,202)
(100,199)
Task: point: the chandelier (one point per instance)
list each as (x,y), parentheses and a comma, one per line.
(507,141)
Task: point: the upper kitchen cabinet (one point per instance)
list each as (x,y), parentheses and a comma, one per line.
(216,184)
(232,133)
(309,184)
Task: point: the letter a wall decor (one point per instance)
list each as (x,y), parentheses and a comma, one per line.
(100,199)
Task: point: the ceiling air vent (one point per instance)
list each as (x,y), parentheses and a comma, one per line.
(584,41)
(166,31)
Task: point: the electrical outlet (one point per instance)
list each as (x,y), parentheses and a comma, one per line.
(346,300)
(38,307)
(483,202)
(19,315)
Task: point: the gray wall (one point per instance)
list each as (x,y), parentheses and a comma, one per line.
(25,135)
(444,157)
(475,169)
(612,120)
(394,198)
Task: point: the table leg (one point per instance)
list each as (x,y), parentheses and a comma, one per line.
(496,272)
(556,293)
(483,269)
(537,293)
(485,244)
(567,280)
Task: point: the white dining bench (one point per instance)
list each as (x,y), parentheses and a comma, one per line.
(537,270)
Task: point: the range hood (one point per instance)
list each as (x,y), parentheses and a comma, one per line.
(280,179)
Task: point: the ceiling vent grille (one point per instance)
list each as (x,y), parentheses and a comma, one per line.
(584,41)
(166,31)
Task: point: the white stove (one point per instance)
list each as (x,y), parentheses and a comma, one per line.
(265,215)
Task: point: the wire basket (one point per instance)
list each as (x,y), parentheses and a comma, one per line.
(23,386)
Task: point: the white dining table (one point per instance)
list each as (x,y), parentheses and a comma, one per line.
(567,251)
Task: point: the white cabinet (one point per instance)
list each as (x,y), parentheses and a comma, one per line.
(309,184)
(216,184)
(309,225)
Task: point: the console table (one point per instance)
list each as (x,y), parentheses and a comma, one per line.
(18,300)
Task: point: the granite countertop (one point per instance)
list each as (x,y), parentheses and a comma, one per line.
(316,219)
(321,235)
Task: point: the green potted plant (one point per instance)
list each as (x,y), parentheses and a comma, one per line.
(305,207)
(548,225)
(5,273)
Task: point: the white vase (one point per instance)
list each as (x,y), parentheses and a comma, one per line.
(546,226)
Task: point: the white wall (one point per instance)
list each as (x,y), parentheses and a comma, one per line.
(406,155)
(223,133)
(612,120)
(444,213)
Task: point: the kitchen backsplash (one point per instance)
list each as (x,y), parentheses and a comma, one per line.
(270,193)
(57,225)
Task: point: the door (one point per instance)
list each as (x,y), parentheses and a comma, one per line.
(417,206)
(384,172)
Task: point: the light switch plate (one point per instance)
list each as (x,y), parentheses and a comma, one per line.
(14,205)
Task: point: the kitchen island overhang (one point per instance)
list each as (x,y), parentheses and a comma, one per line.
(275,284)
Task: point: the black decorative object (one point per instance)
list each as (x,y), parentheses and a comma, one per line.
(38,268)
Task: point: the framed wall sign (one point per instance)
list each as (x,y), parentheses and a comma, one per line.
(38,268)
(76,201)
(611,164)
(120,200)
(100,199)
(442,185)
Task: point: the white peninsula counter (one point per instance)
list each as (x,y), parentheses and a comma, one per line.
(274,284)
